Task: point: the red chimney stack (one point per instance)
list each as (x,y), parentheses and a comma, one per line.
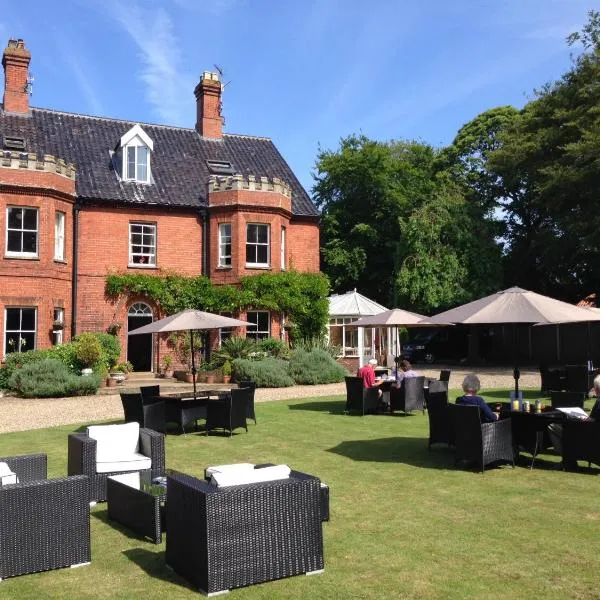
(209,122)
(15,61)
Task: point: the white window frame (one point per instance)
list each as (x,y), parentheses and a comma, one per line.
(22,230)
(258,334)
(20,330)
(283,240)
(60,219)
(224,259)
(257,244)
(136,138)
(59,317)
(145,231)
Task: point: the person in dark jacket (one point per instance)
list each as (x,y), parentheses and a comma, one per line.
(471,386)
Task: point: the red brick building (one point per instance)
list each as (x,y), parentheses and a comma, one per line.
(82,197)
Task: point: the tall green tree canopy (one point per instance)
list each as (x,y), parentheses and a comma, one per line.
(396,225)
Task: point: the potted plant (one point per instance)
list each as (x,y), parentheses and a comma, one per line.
(167,365)
(88,352)
(226,368)
(114,328)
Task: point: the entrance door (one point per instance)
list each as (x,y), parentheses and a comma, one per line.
(139,347)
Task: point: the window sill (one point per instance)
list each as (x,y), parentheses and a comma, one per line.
(223,268)
(60,261)
(21,257)
(136,266)
(258,266)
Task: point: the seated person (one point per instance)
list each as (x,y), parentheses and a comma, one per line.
(367,373)
(555,430)
(471,386)
(406,370)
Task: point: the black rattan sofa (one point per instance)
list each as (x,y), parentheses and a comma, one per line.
(82,458)
(44,523)
(216,546)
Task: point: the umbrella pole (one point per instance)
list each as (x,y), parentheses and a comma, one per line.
(193,361)
(516,372)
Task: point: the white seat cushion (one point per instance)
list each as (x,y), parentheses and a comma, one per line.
(241,477)
(125,462)
(113,442)
(235,468)
(6,475)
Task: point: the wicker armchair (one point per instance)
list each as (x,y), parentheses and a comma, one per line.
(149,414)
(230,412)
(217,546)
(481,443)
(82,459)
(581,441)
(445,375)
(44,523)
(359,398)
(440,427)
(529,433)
(409,396)
(250,414)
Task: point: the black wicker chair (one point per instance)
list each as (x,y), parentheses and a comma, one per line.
(250,414)
(440,427)
(578,379)
(149,393)
(228,413)
(565,399)
(581,441)
(82,459)
(481,443)
(149,414)
(44,523)
(529,433)
(359,398)
(445,375)
(409,396)
(217,546)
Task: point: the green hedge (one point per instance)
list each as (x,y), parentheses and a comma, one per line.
(50,378)
(315,367)
(270,372)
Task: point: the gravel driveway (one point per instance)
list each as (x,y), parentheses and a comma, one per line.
(18,414)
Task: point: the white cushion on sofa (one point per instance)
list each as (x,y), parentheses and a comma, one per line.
(235,468)
(6,475)
(241,477)
(115,442)
(125,462)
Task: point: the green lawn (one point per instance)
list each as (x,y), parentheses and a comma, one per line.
(404,522)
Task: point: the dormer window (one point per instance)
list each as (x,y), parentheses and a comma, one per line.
(136,147)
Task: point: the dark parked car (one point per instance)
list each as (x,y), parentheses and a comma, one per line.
(448,344)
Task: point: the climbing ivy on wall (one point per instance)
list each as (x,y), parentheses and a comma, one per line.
(302,297)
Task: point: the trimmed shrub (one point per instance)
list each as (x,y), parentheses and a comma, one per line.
(88,349)
(273,347)
(270,372)
(111,348)
(318,344)
(50,378)
(17,360)
(315,367)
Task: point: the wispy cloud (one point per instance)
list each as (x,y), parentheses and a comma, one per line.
(159,49)
(77,66)
(214,7)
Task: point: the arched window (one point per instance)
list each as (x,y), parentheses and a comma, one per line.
(140,309)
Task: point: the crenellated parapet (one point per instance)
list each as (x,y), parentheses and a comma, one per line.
(29,161)
(250,183)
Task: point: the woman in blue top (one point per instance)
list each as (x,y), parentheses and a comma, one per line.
(471,386)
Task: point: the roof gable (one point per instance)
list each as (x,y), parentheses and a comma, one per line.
(137,132)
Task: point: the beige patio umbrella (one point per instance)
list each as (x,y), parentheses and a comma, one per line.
(190,320)
(516,305)
(396,317)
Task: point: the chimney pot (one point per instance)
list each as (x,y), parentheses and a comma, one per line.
(209,122)
(15,61)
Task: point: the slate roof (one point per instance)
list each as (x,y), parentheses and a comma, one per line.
(178,164)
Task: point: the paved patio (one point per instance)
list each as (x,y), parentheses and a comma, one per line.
(18,414)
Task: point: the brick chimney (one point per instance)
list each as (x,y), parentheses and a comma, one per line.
(209,122)
(15,61)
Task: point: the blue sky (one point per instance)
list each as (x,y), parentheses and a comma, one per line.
(303,72)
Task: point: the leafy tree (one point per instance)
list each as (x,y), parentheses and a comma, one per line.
(395,225)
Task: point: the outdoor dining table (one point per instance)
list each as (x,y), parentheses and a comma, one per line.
(185,410)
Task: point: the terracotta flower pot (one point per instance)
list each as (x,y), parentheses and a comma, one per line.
(189,378)
(226,378)
(111,382)
(169,373)
(210,378)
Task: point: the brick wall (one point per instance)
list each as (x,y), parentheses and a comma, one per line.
(41,282)
(303,246)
